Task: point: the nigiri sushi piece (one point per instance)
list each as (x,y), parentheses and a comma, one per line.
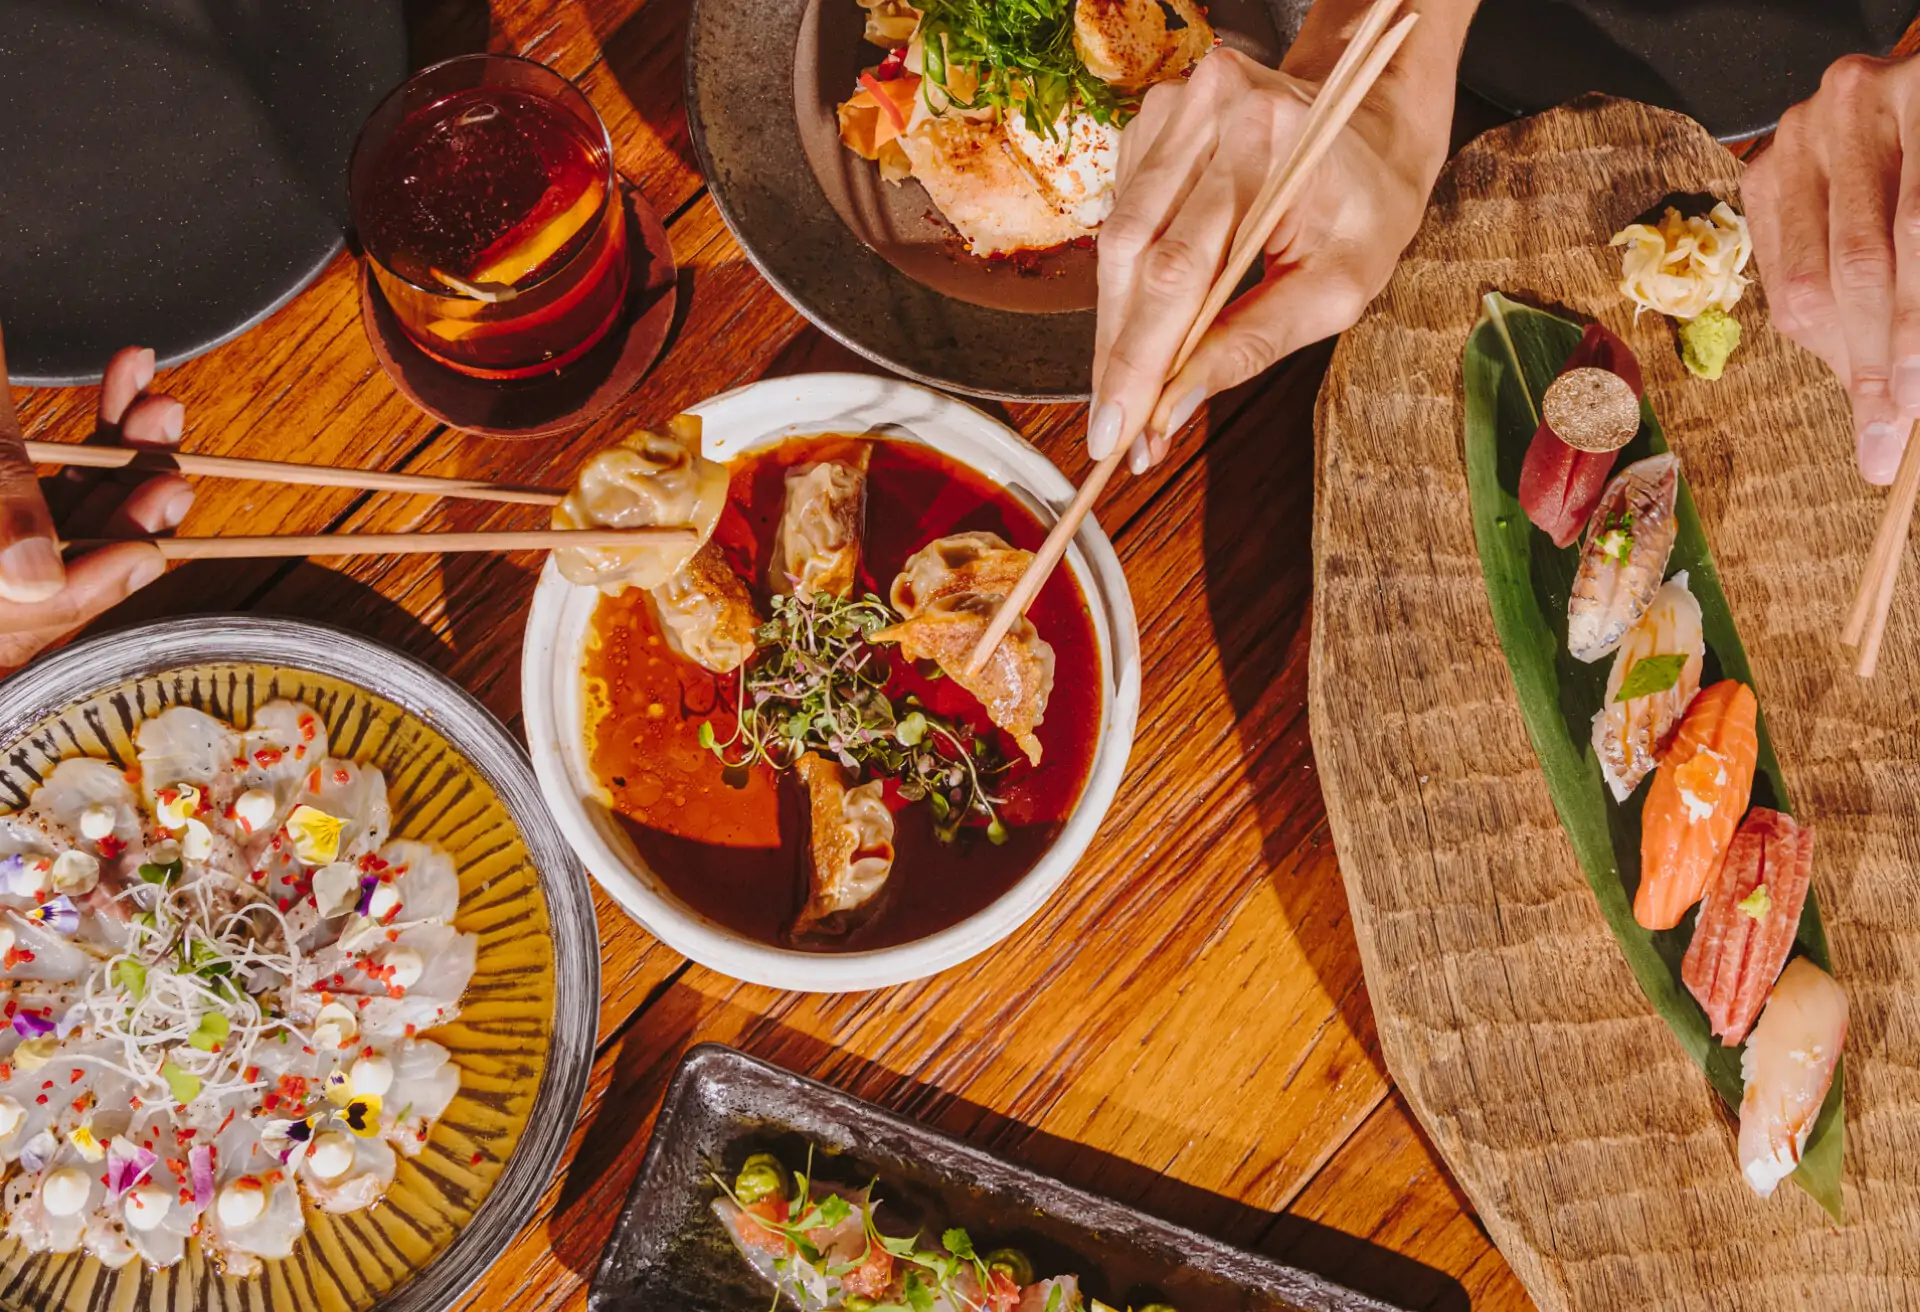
(1696,799)
(1748,921)
(1629,731)
(1624,556)
(1788,1067)
(1559,486)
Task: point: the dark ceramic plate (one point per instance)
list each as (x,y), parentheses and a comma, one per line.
(670,1252)
(870,263)
(1734,65)
(174,170)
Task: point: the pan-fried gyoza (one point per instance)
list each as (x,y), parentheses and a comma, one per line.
(783,722)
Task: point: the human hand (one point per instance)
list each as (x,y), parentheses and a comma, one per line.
(1833,203)
(42,599)
(1191,165)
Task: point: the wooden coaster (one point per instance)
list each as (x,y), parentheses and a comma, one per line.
(570,397)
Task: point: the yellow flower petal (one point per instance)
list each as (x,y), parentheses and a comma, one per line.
(315,834)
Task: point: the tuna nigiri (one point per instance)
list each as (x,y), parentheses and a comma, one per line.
(1624,556)
(1559,486)
(1630,730)
(1748,920)
(1696,799)
(1788,1067)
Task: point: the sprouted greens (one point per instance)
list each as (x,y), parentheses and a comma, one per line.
(818,685)
(1021,52)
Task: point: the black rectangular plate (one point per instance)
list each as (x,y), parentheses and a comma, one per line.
(670,1252)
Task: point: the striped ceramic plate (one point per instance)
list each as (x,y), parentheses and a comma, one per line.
(524,1040)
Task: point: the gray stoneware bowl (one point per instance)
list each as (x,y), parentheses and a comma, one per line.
(872,264)
(525,1039)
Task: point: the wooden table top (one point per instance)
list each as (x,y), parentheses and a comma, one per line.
(1184,1027)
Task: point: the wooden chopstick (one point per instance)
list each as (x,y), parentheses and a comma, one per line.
(278,471)
(405,544)
(1867,624)
(1360,65)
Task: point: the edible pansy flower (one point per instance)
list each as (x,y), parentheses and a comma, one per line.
(127,1165)
(315,835)
(26,875)
(57,914)
(176,804)
(29,1026)
(362,1114)
(83,1141)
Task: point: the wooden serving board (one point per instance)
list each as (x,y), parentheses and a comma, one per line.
(1602,1163)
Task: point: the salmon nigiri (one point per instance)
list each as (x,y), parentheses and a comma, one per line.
(1788,1067)
(1696,800)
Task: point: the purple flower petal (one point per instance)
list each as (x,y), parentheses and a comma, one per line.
(200,1163)
(29,1026)
(38,1151)
(127,1165)
(70,1021)
(58,914)
(367,884)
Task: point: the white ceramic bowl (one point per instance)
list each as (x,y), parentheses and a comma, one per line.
(763,414)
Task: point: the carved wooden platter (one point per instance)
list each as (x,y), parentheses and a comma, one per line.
(1593,1148)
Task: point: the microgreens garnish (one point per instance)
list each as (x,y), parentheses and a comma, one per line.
(1021,52)
(815,684)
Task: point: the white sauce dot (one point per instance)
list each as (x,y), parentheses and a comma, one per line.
(336,1025)
(147,1206)
(11,1114)
(406,965)
(254,810)
(383,903)
(372,1075)
(241,1203)
(76,872)
(64,1192)
(332,1156)
(97,822)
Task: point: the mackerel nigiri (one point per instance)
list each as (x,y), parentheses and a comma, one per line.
(1697,797)
(1624,555)
(1657,668)
(1788,1067)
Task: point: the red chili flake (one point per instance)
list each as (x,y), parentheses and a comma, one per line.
(134,1102)
(258,876)
(47,1085)
(477,1158)
(410,1030)
(177,1166)
(275,1177)
(184,1135)
(285,904)
(395,991)
(363,1002)
(308,727)
(250,1074)
(111,847)
(366,1052)
(76,1076)
(393,936)
(313,780)
(12,1007)
(168,795)
(268,756)
(307,1050)
(223,1126)
(132,774)
(341,777)
(42,1100)
(270,1101)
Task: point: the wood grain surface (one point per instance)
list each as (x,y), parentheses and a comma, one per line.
(1593,1148)
(1184,1027)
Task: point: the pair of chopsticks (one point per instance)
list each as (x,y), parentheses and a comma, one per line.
(1867,624)
(1366,57)
(345,544)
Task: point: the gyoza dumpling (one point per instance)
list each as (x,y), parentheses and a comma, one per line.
(949,591)
(816,550)
(649,480)
(705,612)
(850,851)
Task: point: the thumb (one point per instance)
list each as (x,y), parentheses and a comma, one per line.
(30,568)
(1290,309)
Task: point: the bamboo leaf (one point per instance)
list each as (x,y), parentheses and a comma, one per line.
(1513,353)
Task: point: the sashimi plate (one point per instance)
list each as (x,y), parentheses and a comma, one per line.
(519,1035)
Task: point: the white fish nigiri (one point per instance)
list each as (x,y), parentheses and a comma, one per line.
(1623,556)
(1788,1067)
(1628,735)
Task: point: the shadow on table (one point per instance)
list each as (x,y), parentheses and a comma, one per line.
(615,1131)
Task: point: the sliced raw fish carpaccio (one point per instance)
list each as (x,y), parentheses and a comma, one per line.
(1559,486)
(1748,921)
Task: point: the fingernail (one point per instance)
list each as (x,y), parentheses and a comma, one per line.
(30,570)
(143,369)
(145,570)
(1103,434)
(176,508)
(1184,409)
(173,421)
(1880,447)
(1906,383)
(1138,458)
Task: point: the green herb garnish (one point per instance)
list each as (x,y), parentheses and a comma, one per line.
(815,684)
(161,873)
(1654,674)
(1021,53)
